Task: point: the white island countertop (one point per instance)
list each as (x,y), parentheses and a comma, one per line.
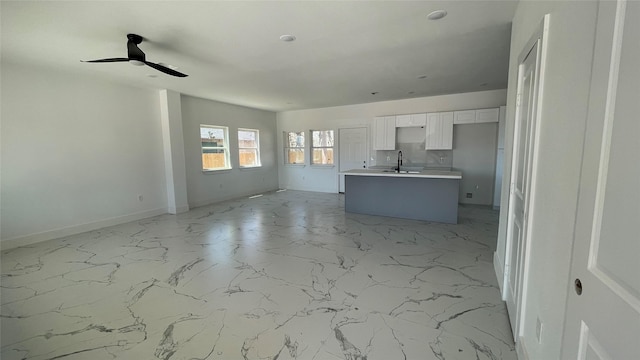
(429,174)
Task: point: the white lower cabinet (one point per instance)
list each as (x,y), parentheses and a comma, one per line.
(384,133)
(439,129)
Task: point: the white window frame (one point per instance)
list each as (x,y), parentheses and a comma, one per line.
(287,148)
(225,148)
(257,148)
(333,163)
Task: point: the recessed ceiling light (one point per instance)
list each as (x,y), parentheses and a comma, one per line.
(437,15)
(287,38)
(422,77)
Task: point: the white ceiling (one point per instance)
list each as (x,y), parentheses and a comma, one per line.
(344,51)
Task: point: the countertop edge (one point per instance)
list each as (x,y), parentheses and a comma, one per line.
(424,174)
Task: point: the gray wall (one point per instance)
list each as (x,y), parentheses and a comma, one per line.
(206,188)
(77,150)
(474,153)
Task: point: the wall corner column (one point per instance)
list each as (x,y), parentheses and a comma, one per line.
(173,146)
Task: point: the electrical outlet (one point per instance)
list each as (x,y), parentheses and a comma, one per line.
(469,195)
(539,331)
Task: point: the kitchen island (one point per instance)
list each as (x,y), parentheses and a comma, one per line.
(430,195)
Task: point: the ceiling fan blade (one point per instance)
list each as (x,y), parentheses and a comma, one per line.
(106,60)
(165,69)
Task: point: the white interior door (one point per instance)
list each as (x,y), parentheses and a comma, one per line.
(353,151)
(604,321)
(526,105)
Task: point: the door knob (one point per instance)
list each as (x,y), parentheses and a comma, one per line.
(578,285)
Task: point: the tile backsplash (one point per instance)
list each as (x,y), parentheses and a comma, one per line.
(411,141)
(415,155)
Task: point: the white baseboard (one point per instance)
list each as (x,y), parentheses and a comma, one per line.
(521,350)
(77,229)
(310,189)
(200,203)
(499,269)
(178,210)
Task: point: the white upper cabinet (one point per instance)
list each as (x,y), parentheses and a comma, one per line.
(464,117)
(412,120)
(439,131)
(403,120)
(476,116)
(487,115)
(419,119)
(384,133)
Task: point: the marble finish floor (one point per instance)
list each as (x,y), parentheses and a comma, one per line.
(287,275)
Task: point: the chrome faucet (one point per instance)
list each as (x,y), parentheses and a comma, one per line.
(399,160)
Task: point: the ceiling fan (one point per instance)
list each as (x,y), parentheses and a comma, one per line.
(137,57)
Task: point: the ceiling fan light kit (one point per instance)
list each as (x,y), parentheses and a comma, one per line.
(138,58)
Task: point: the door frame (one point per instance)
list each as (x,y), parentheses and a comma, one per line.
(367,132)
(540,36)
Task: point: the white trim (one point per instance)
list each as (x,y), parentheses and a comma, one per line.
(285,148)
(521,350)
(177,210)
(226,148)
(607,133)
(257,148)
(77,229)
(533,175)
(539,39)
(200,203)
(498,267)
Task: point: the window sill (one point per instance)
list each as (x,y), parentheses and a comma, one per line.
(295,165)
(244,168)
(225,170)
(319,166)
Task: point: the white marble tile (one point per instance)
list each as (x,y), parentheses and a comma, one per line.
(285,276)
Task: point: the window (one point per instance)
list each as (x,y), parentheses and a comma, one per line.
(249,147)
(215,147)
(294,147)
(322,147)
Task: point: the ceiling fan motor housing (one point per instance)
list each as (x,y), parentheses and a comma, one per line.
(136,39)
